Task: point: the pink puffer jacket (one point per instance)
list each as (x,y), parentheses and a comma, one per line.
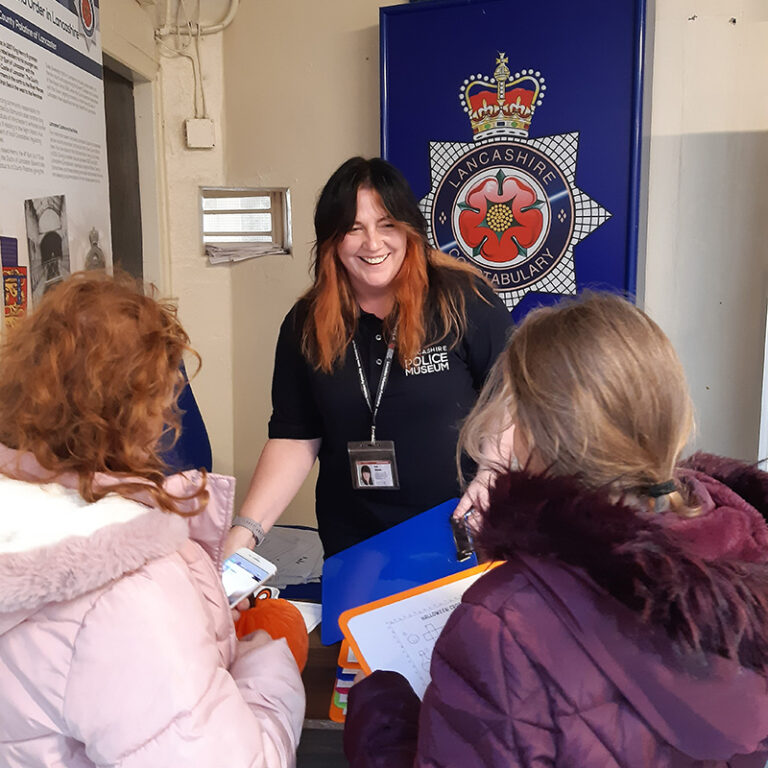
(116,643)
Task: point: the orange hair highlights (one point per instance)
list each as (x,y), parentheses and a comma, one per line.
(89,383)
(429,290)
(429,283)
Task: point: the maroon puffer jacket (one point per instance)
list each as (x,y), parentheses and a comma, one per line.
(558,658)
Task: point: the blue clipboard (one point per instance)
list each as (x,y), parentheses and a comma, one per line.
(415,552)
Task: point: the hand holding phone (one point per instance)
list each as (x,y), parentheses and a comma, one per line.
(243,573)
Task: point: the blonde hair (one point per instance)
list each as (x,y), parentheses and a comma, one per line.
(597,391)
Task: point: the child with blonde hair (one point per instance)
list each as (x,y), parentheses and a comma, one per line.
(628,622)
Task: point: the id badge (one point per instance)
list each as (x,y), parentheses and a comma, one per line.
(373,466)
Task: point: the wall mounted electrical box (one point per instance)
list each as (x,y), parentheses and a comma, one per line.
(200,133)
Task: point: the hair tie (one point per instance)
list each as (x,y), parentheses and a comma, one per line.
(660,489)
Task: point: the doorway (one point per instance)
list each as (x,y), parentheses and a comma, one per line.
(123,165)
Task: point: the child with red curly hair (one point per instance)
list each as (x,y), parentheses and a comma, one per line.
(116,641)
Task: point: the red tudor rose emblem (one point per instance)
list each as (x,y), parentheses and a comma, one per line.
(87,13)
(501,218)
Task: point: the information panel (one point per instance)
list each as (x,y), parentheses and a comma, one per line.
(54,193)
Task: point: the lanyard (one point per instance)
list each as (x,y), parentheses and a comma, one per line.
(374,408)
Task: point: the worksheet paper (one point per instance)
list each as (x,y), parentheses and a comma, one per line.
(401,635)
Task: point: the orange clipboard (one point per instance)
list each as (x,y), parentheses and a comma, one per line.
(399,632)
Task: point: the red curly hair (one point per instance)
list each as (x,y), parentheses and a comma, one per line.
(89,383)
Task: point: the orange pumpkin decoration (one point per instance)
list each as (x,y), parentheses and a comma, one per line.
(280,619)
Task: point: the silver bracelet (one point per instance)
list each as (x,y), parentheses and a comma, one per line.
(254,527)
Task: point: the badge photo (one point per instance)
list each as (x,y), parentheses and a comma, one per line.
(373,465)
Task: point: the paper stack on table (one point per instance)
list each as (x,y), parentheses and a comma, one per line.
(310,612)
(348,667)
(297,553)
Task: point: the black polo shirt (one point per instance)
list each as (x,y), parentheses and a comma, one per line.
(421,411)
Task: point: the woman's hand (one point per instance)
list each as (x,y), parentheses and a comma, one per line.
(477,495)
(499,455)
(237,538)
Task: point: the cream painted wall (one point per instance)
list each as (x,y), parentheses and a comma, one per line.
(302,93)
(127,36)
(706,279)
(170,177)
(204,292)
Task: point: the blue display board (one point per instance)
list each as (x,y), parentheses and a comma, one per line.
(407,555)
(518,126)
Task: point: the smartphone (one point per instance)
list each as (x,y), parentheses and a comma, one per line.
(243,573)
(462,537)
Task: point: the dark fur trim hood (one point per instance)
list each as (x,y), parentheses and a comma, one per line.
(703,579)
(746,480)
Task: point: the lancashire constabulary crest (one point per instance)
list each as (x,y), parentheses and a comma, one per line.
(508,203)
(87,15)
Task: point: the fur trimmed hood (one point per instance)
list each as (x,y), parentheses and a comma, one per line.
(72,547)
(54,546)
(704,579)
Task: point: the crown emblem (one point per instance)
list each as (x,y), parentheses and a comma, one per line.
(502,105)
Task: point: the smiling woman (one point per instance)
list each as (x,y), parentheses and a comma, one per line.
(372,252)
(354,382)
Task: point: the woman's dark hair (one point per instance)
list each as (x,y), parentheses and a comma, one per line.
(429,289)
(337,204)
